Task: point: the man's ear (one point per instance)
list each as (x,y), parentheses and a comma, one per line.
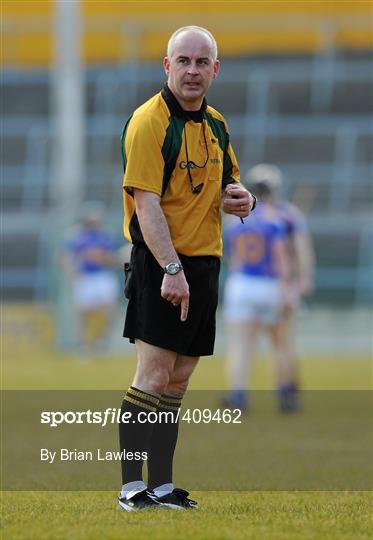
(166,65)
(216,68)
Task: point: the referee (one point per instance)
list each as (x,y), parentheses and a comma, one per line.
(179,172)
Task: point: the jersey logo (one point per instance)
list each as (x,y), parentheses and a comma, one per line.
(186,165)
(191,165)
(250,248)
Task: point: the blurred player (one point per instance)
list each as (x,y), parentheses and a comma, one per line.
(301,258)
(89,261)
(271,263)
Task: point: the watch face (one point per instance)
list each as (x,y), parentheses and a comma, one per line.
(172,268)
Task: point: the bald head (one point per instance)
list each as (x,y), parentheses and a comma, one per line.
(190,65)
(190,30)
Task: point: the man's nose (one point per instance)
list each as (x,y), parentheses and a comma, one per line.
(193,68)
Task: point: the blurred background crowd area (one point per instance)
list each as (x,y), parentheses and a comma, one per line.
(295,87)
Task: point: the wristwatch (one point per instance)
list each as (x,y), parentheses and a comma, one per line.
(172,268)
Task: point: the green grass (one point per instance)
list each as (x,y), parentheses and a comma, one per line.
(30,367)
(224,515)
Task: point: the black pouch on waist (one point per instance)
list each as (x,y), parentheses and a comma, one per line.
(128,278)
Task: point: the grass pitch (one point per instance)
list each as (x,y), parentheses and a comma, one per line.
(222,515)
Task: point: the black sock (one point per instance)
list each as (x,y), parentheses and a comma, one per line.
(163,442)
(134,436)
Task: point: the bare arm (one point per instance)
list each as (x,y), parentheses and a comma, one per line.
(282,265)
(157,237)
(305,262)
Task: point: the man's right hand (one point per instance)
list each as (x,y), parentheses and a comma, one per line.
(175,289)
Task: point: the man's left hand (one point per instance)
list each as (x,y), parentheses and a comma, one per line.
(237,200)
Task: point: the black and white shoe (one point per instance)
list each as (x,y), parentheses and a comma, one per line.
(138,500)
(177,499)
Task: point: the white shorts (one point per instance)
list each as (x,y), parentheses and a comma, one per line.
(251,298)
(93,291)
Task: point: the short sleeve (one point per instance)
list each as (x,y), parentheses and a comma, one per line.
(231,171)
(294,219)
(278,230)
(109,242)
(143,160)
(298,222)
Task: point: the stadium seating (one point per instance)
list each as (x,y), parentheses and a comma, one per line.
(116,31)
(306,110)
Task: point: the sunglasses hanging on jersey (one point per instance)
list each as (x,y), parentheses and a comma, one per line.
(191,164)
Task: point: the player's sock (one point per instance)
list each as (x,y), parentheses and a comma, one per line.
(288,397)
(134,436)
(237,398)
(132,487)
(164,489)
(163,442)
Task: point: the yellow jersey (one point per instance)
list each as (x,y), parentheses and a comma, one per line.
(160,142)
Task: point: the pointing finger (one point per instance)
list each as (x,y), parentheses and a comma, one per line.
(184,309)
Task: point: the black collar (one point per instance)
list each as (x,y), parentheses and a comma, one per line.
(176,109)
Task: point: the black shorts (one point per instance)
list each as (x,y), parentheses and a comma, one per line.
(155,320)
